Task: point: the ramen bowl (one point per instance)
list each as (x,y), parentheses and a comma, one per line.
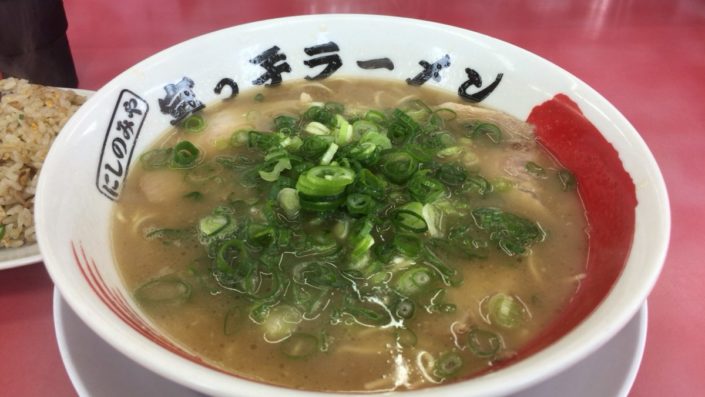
(619,181)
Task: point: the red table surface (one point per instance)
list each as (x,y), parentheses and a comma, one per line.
(646,57)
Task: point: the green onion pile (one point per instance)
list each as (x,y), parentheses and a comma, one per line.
(359,219)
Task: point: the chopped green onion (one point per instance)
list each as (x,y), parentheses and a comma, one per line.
(343,132)
(405,309)
(259,312)
(260,235)
(361,127)
(312,301)
(449,152)
(334,107)
(433,217)
(448,364)
(448,274)
(212,224)
(368,315)
(240,138)
(259,97)
(288,200)
(451,174)
(414,280)
(284,237)
(366,153)
(483,343)
(328,155)
(402,128)
(341,229)
(360,249)
(314,146)
(168,289)
(325,180)
(361,246)
(292,143)
(156,158)
(416,109)
(229,254)
(425,188)
(316,128)
(368,183)
(194,123)
(204,173)
(285,124)
(408,245)
(445,114)
(476,183)
(167,235)
(512,233)
(317,203)
(299,345)
(491,131)
(316,274)
(281,323)
(321,115)
(439,141)
(419,153)
(398,166)
(375,116)
(377,138)
(262,140)
(360,204)
(185,155)
(505,310)
(409,217)
(535,169)
(361,241)
(281,165)
(502,185)
(567,180)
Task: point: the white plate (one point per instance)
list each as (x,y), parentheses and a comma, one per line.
(28,254)
(15,257)
(96,369)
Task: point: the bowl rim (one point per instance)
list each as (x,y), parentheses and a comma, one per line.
(575,341)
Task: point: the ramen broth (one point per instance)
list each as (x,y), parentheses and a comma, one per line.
(419,290)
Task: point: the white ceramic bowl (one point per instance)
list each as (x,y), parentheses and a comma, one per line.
(84,169)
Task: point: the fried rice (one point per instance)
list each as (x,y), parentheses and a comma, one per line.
(30,118)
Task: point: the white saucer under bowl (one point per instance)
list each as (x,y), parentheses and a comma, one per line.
(96,369)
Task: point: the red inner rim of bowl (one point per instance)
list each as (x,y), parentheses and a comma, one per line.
(609,197)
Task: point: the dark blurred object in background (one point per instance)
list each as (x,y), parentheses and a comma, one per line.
(33,42)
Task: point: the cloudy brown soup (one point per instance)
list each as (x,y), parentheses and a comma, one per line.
(351,235)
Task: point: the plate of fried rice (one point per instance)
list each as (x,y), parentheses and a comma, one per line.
(30,118)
